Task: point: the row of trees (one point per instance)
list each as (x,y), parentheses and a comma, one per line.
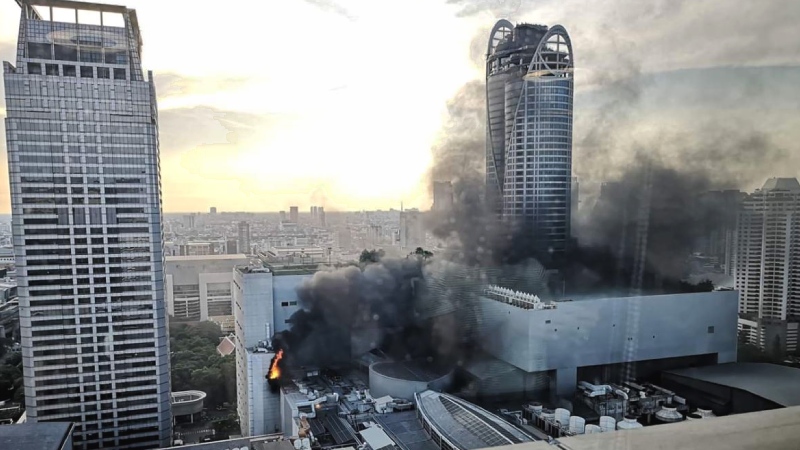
(197,365)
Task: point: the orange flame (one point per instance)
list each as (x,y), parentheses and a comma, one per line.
(274,370)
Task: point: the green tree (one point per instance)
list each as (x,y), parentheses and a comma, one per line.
(197,365)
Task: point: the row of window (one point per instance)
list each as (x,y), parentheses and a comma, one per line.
(68,70)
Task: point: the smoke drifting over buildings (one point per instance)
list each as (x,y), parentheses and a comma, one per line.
(645,220)
(381,305)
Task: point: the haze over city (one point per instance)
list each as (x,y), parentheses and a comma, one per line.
(338,103)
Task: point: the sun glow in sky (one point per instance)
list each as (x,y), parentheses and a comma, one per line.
(337,103)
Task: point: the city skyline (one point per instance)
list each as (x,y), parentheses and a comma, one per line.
(201,100)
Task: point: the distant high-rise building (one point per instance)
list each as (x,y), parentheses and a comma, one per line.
(212,210)
(442,196)
(719,238)
(529,91)
(412,234)
(82,134)
(767,265)
(313,214)
(231,247)
(189,221)
(293,214)
(321,216)
(244,238)
(282,216)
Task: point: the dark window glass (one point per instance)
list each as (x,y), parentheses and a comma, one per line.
(34,68)
(119,74)
(116,57)
(66,52)
(91,54)
(103,72)
(40,51)
(87,72)
(69,71)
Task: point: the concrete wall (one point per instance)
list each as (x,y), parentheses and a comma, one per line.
(380,385)
(611,330)
(285,290)
(264,405)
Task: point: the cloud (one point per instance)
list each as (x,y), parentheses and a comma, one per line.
(498,8)
(171,84)
(661,34)
(331,6)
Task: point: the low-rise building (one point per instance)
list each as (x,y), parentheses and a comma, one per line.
(199,287)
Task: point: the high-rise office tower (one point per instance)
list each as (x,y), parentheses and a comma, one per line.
(293,214)
(82,134)
(212,210)
(529,91)
(244,238)
(767,265)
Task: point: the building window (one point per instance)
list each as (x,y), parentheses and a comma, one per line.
(711,330)
(293,303)
(87,72)
(51,69)
(37,50)
(103,72)
(69,71)
(119,74)
(284,303)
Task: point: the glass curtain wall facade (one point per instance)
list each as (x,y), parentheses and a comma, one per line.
(529,92)
(82,139)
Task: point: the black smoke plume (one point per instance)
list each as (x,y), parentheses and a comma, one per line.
(349,311)
(612,146)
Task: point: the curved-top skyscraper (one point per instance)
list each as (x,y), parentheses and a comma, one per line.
(529,90)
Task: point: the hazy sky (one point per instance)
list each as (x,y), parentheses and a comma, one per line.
(337,102)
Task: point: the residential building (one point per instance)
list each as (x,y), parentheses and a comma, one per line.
(198,288)
(529,92)
(293,214)
(767,265)
(82,132)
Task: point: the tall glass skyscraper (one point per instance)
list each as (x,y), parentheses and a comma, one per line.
(529,90)
(82,137)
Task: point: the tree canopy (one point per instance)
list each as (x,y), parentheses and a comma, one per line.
(197,365)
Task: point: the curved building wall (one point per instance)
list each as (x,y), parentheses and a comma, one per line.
(381,384)
(537,186)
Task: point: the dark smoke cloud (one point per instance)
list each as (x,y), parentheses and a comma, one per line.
(350,311)
(618,138)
